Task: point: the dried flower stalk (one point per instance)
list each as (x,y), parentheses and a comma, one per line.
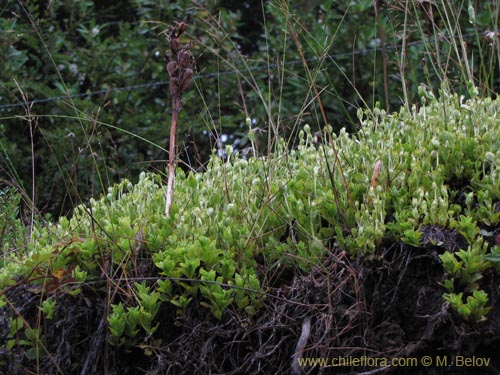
(180,71)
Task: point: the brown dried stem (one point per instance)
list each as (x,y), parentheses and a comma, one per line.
(180,71)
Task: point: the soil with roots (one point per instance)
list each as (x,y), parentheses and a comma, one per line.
(358,315)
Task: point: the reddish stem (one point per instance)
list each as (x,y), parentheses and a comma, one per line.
(172,154)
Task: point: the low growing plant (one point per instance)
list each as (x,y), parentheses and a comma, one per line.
(475,309)
(233,226)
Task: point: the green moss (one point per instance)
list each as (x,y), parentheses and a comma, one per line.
(287,210)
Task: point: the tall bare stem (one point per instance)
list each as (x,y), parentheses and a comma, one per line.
(180,70)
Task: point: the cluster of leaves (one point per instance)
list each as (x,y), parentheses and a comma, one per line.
(452,183)
(245,218)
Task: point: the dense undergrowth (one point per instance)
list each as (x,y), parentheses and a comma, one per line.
(84,89)
(253,247)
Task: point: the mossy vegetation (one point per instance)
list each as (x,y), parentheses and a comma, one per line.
(244,228)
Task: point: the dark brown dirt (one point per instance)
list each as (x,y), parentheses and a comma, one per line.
(388,306)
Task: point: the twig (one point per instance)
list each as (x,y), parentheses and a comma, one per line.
(301,344)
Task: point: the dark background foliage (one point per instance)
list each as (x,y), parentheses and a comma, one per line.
(104,63)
